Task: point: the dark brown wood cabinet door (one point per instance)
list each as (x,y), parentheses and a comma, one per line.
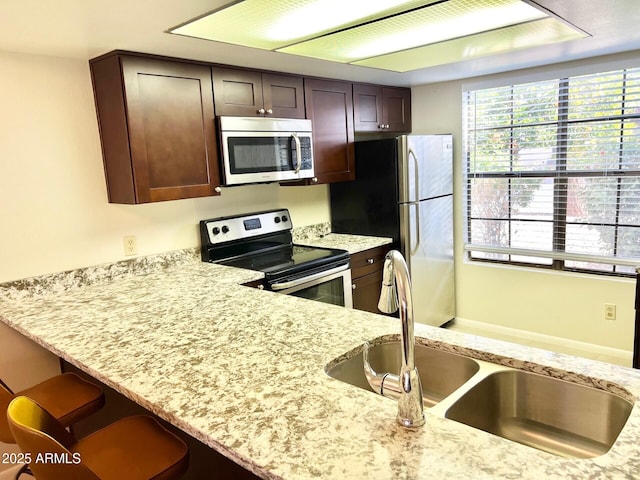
(366,274)
(171,129)
(237,92)
(367,108)
(283,96)
(396,109)
(106,76)
(329,106)
(366,292)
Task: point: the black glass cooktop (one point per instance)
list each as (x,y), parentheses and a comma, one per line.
(289,260)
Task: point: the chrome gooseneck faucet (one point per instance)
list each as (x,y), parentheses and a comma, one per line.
(406,387)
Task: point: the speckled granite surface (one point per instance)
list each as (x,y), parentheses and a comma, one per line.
(310,232)
(82,277)
(242,370)
(351,243)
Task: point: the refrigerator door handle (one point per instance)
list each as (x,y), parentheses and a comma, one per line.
(416,176)
(417,230)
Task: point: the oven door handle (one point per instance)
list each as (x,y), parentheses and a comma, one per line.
(300,281)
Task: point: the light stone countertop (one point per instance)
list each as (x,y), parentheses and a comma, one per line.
(351,243)
(242,370)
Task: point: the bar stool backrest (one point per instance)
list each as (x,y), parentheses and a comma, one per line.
(40,434)
(6,395)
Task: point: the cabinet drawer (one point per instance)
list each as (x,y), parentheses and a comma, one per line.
(368,261)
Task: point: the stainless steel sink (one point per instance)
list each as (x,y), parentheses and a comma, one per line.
(546,413)
(441,373)
(553,415)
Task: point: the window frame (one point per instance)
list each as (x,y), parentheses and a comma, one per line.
(561,176)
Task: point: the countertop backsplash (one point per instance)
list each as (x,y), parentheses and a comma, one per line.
(72,279)
(309,232)
(82,277)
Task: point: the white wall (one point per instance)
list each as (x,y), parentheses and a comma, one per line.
(559,304)
(54,213)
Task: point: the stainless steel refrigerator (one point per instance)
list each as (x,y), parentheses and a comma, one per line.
(404,190)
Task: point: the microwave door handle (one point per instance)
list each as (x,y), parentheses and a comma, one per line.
(298,152)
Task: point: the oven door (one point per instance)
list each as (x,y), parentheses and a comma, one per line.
(259,157)
(331,286)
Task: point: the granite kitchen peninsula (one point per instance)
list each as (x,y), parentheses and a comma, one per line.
(243,371)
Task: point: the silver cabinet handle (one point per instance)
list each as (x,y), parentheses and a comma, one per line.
(217,190)
(314,180)
(370,261)
(269,112)
(353,286)
(261,111)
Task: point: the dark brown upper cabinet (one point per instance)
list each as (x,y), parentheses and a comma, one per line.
(156,123)
(249,93)
(381,109)
(329,106)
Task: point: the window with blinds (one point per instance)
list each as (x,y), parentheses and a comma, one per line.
(553,173)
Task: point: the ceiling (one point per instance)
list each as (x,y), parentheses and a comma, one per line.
(87,28)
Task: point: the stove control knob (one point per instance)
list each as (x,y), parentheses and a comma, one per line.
(215,230)
(277,219)
(284,218)
(225,229)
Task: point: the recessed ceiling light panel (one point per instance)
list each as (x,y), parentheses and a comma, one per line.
(396,35)
(531,34)
(431,24)
(269,25)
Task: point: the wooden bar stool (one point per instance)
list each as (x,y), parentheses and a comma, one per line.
(67,397)
(134,448)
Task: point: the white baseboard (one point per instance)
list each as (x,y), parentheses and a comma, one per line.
(556,344)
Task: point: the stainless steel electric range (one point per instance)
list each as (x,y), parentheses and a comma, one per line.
(263,242)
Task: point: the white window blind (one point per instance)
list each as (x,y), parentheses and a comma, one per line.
(553,172)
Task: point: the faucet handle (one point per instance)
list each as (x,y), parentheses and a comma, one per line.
(375,379)
(386,384)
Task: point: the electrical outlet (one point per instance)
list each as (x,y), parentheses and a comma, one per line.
(130,247)
(609,311)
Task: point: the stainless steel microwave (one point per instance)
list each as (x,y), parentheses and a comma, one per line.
(260,150)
